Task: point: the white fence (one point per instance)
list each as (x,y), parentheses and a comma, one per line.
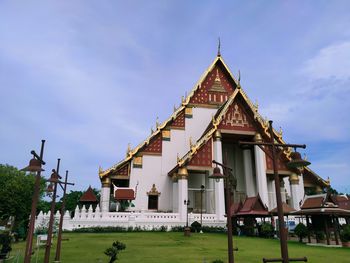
(142,219)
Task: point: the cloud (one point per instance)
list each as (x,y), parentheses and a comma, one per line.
(331,61)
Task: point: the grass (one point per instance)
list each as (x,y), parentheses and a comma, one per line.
(173,247)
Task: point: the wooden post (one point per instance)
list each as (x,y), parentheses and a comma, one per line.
(327,230)
(335,225)
(308,228)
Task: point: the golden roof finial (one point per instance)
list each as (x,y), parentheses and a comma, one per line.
(175,108)
(256,105)
(328,180)
(152,131)
(177,157)
(239,79)
(182,99)
(219,47)
(100,170)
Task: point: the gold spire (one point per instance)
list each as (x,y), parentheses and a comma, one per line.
(177,157)
(219,47)
(152,131)
(157,122)
(128,150)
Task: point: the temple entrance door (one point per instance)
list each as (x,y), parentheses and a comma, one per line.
(199,202)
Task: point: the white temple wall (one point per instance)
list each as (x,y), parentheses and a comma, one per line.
(196,125)
(272,203)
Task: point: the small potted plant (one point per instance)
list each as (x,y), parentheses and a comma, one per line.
(345,236)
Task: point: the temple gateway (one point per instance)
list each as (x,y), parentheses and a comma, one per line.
(150,187)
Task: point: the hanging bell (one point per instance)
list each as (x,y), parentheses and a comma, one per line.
(34,166)
(297,161)
(54,177)
(49,188)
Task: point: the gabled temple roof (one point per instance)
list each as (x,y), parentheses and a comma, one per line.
(252,206)
(286,209)
(89,196)
(177,112)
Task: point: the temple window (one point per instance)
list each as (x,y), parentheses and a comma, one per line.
(153,198)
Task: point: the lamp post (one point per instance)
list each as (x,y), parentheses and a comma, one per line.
(53,180)
(202,191)
(295,163)
(34,166)
(59,237)
(217,175)
(187,229)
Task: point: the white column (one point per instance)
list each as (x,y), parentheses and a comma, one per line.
(183,193)
(175,196)
(210,197)
(283,191)
(248,172)
(260,167)
(105,194)
(294,186)
(219,186)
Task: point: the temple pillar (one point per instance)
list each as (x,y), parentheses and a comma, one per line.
(105,194)
(248,172)
(175,195)
(260,170)
(182,192)
(283,191)
(219,186)
(294,186)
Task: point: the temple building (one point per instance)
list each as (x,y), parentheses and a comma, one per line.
(172,164)
(149,187)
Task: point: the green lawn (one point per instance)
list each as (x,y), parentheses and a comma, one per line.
(173,247)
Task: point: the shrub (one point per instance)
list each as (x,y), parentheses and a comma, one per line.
(345,234)
(5,242)
(266,230)
(114,250)
(301,231)
(217,261)
(195,226)
(320,235)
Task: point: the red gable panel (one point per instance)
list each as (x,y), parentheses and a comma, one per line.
(155,145)
(204,155)
(124,194)
(208,93)
(124,170)
(236,118)
(179,122)
(281,163)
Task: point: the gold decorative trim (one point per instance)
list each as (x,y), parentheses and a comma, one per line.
(182,173)
(188,112)
(137,162)
(166,135)
(106,182)
(294,179)
(217,135)
(153,191)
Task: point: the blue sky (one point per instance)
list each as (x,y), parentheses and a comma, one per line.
(91,76)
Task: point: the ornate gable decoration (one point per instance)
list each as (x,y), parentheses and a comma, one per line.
(122,172)
(236,118)
(155,145)
(179,122)
(214,90)
(153,191)
(203,157)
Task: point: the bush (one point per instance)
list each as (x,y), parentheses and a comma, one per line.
(320,235)
(267,230)
(114,250)
(301,231)
(195,226)
(217,261)
(5,242)
(345,234)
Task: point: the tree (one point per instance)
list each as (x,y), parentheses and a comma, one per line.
(301,231)
(16,193)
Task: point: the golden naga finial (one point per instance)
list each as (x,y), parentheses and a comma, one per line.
(128,150)
(219,47)
(328,180)
(177,157)
(152,131)
(256,105)
(280,133)
(100,170)
(191,143)
(182,99)
(157,122)
(175,108)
